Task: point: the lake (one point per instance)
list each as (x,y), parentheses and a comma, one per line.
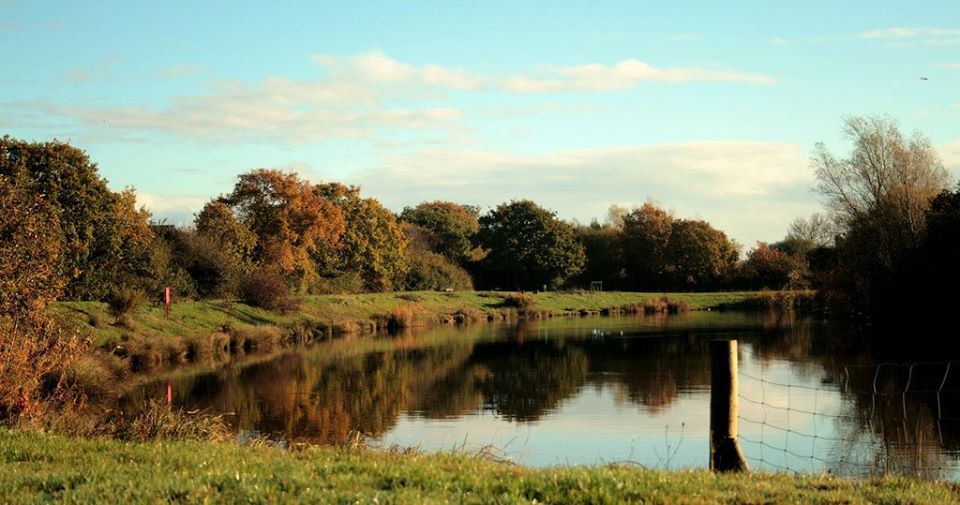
(595,390)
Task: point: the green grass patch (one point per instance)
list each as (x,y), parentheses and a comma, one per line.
(352,313)
(43,468)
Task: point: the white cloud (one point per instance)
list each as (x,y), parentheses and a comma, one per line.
(97,71)
(178,71)
(175,209)
(949,66)
(910,36)
(623,75)
(950,154)
(778,41)
(750,189)
(356,96)
(907,32)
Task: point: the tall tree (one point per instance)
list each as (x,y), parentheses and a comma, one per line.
(528,247)
(290,220)
(373,242)
(452,226)
(878,197)
(699,256)
(644,238)
(104,235)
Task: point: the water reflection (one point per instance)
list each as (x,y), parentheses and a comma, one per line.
(591,390)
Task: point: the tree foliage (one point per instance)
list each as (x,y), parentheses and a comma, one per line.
(373,242)
(528,247)
(105,237)
(30,247)
(290,220)
(878,197)
(644,241)
(699,255)
(451,226)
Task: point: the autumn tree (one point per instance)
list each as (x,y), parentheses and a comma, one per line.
(452,227)
(30,247)
(878,197)
(771,268)
(104,235)
(219,252)
(528,247)
(290,220)
(645,235)
(604,259)
(373,242)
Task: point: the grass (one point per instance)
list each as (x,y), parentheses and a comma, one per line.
(38,468)
(357,313)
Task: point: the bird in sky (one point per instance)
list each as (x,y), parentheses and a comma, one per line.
(924,78)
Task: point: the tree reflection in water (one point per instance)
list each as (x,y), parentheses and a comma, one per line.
(524,373)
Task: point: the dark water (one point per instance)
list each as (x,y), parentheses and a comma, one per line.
(598,390)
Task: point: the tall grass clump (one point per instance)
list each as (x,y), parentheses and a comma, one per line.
(263,338)
(123,302)
(157,420)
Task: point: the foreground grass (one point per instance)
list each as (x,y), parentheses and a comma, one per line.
(44,468)
(353,313)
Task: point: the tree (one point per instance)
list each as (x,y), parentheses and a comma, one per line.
(291,221)
(644,239)
(604,259)
(770,268)
(878,197)
(451,225)
(101,231)
(373,242)
(528,247)
(30,251)
(699,255)
(427,270)
(220,253)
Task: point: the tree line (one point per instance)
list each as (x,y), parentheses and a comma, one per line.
(64,233)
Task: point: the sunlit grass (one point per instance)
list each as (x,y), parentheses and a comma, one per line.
(35,468)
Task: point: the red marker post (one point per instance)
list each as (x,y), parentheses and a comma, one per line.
(166,301)
(169,391)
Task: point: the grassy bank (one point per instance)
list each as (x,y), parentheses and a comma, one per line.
(215,331)
(366,312)
(37,468)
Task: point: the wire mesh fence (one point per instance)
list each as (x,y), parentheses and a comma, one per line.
(852,419)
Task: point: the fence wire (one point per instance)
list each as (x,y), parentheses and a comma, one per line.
(858,419)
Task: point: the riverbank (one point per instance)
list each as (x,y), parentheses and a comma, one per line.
(36,467)
(358,313)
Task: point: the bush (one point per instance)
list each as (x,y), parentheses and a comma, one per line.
(429,271)
(124,300)
(267,291)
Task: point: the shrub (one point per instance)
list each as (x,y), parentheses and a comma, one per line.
(268,291)
(429,271)
(124,300)
(261,337)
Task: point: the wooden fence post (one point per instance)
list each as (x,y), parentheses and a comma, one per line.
(725,453)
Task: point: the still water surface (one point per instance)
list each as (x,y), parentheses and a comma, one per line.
(599,390)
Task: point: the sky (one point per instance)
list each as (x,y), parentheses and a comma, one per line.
(710,109)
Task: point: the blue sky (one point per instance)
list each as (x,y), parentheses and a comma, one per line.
(709,108)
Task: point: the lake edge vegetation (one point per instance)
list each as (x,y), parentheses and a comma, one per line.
(38,467)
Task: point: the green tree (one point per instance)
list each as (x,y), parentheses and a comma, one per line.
(427,270)
(373,243)
(451,225)
(528,247)
(699,256)
(644,238)
(104,236)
